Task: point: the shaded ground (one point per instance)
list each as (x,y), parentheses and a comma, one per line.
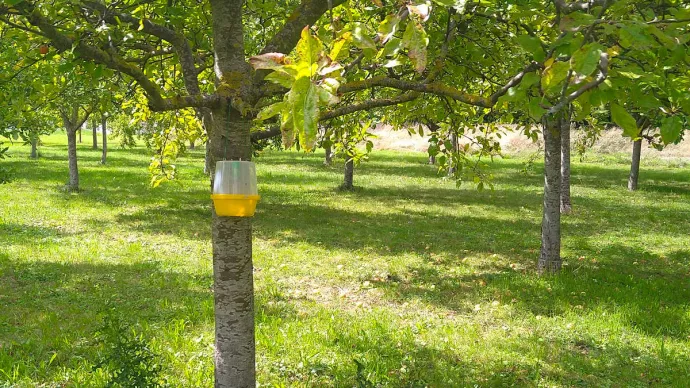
(408,281)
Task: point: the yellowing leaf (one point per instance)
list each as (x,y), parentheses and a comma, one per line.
(304,100)
(268,61)
(553,75)
(309,47)
(415,40)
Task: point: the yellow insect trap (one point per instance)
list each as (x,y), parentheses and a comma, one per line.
(234,189)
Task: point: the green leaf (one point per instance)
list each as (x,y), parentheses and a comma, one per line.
(624,120)
(586,59)
(532,45)
(270,111)
(415,40)
(361,37)
(535,109)
(388,27)
(281,77)
(671,127)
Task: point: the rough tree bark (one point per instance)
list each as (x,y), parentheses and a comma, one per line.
(348,175)
(550,257)
(566,204)
(95,136)
(635,165)
(232,264)
(34,147)
(229,138)
(104,131)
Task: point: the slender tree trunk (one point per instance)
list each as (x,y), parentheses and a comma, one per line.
(566,205)
(95,135)
(192,145)
(550,257)
(454,142)
(432,159)
(73,184)
(104,130)
(232,264)
(348,175)
(34,147)
(329,156)
(79,135)
(635,165)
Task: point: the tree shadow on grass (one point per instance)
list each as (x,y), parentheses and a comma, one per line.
(374,350)
(649,300)
(11,233)
(51,307)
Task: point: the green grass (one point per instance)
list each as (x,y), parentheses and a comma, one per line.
(407,282)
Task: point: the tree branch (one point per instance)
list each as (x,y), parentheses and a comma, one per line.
(566,8)
(306,14)
(601,76)
(371,104)
(63,43)
(178,41)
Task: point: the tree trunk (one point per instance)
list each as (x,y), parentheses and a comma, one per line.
(566,205)
(348,175)
(73,184)
(550,257)
(456,148)
(192,145)
(34,147)
(95,135)
(105,139)
(207,160)
(79,135)
(635,165)
(232,264)
(329,156)
(432,159)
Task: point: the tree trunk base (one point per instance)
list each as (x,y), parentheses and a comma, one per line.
(566,208)
(549,267)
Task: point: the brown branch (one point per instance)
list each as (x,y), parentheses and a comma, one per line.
(431,88)
(371,104)
(306,14)
(63,43)
(367,105)
(178,41)
(514,81)
(438,88)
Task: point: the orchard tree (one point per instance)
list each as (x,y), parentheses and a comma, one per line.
(345,60)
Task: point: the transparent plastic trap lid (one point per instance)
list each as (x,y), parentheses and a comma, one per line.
(235,177)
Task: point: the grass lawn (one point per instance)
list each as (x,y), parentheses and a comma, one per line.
(407,282)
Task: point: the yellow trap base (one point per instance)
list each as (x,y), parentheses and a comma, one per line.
(235,205)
